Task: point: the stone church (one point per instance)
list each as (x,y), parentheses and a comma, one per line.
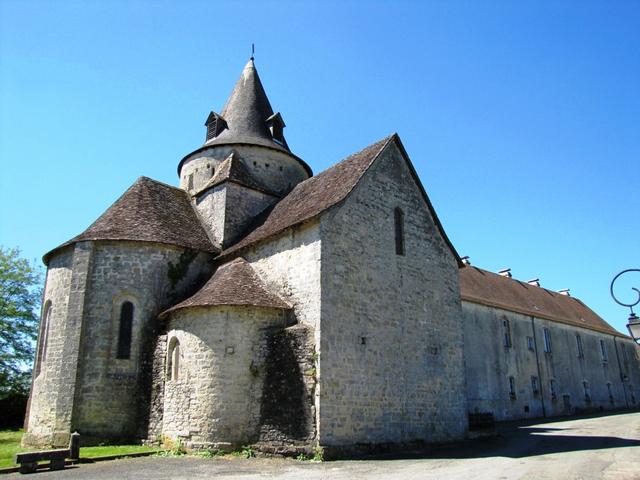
(260,304)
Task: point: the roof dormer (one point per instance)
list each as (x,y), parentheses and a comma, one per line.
(276,126)
(215,125)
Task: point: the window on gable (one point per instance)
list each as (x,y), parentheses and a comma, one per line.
(579,346)
(506,332)
(399,230)
(44,337)
(124,331)
(547,340)
(603,351)
(173,359)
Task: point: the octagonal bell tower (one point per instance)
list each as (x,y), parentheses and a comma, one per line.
(245,164)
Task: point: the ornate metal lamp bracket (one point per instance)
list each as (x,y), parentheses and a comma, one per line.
(630,305)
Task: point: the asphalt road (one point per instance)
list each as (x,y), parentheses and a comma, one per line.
(604,447)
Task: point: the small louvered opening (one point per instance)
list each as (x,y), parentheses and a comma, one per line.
(211,129)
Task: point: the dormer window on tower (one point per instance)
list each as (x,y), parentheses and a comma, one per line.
(276,126)
(215,125)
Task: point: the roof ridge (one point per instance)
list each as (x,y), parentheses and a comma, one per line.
(297,203)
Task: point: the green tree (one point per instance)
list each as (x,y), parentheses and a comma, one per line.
(20,293)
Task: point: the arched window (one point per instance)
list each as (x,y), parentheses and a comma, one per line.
(124,331)
(173,359)
(44,336)
(399,230)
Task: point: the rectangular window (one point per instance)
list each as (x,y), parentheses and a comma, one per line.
(547,340)
(535,387)
(512,387)
(506,333)
(399,231)
(603,351)
(579,346)
(530,344)
(552,389)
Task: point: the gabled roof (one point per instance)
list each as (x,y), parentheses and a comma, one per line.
(232,169)
(315,195)
(149,211)
(491,289)
(234,284)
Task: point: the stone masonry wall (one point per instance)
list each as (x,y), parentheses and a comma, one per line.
(276,170)
(290,267)
(287,413)
(391,353)
(112,394)
(43,411)
(489,364)
(215,400)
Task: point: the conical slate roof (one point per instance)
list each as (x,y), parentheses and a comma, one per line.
(232,169)
(246,113)
(234,284)
(149,211)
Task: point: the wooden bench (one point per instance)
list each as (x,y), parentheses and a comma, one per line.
(28,461)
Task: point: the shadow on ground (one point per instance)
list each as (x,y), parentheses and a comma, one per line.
(518,440)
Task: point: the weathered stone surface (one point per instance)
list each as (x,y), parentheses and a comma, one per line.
(215,399)
(391,348)
(489,364)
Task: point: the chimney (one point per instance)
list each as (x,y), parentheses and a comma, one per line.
(466,260)
(506,272)
(564,291)
(534,281)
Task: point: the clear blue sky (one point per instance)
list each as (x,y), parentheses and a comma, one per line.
(522,118)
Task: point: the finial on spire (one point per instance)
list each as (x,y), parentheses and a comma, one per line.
(253,51)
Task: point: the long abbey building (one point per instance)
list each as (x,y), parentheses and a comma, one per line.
(257,303)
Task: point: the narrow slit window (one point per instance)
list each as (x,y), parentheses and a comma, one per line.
(552,389)
(587,391)
(44,336)
(190,182)
(506,339)
(535,385)
(173,359)
(399,231)
(603,351)
(512,387)
(124,331)
(547,340)
(579,346)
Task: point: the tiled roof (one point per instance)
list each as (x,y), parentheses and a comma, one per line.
(236,284)
(316,194)
(233,170)
(149,211)
(488,288)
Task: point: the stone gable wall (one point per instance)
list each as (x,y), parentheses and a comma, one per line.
(391,345)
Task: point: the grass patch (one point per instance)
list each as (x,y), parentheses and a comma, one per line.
(10,445)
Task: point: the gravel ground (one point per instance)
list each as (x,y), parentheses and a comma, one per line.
(604,447)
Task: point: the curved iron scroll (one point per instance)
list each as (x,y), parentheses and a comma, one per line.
(630,305)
